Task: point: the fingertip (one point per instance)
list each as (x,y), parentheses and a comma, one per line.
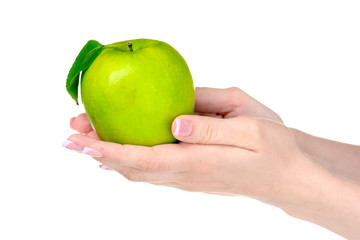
(82,140)
(75,137)
(81,123)
(175,127)
(82,115)
(181,127)
(72,120)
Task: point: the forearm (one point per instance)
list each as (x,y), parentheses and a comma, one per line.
(340,158)
(329,201)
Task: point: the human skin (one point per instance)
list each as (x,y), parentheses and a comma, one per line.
(235,145)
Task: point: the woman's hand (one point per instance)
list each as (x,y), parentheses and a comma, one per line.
(237,146)
(226,153)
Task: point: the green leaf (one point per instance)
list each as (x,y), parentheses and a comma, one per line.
(82,62)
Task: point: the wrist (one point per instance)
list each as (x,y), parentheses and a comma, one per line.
(339,158)
(302,139)
(313,149)
(327,200)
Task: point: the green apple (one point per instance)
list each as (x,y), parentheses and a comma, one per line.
(133,90)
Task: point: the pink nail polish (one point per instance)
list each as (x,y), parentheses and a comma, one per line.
(92,152)
(102,166)
(183,127)
(72,146)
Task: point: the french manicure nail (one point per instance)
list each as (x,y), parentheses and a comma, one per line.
(102,166)
(72,146)
(92,152)
(183,127)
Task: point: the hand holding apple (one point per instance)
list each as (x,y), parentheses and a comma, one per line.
(232,154)
(237,155)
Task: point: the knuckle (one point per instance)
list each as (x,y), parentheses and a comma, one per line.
(209,132)
(234,90)
(258,132)
(253,133)
(234,94)
(255,128)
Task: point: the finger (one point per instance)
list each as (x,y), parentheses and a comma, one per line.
(243,132)
(161,158)
(164,158)
(231,102)
(137,167)
(215,100)
(186,164)
(93,134)
(136,175)
(81,123)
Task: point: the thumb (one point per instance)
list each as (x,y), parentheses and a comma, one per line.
(239,131)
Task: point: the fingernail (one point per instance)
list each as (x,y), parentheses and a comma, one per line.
(72,146)
(183,127)
(92,152)
(102,166)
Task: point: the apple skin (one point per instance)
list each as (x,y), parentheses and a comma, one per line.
(132,97)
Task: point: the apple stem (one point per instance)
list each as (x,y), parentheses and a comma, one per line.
(130,46)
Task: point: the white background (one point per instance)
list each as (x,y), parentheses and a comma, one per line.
(300,58)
